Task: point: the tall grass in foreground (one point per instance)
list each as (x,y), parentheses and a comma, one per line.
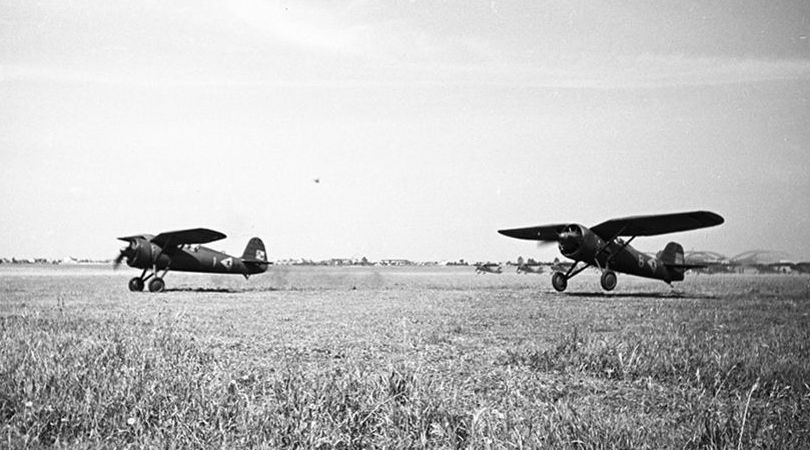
(731,382)
(413,365)
(114,382)
(77,382)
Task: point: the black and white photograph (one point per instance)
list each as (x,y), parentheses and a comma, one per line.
(429,224)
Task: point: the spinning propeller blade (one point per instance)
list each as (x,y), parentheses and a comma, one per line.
(118,259)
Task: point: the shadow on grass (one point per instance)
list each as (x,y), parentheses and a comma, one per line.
(686,295)
(220,290)
(203,290)
(253,289)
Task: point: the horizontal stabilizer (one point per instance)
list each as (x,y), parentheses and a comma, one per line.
(686,266)
(256,261)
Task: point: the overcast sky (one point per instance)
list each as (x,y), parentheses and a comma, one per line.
(430,124)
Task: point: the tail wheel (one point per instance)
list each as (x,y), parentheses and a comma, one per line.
(156,285)
(608,280)
(136,284)
(559,281)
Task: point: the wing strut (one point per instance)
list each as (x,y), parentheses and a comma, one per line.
(609,241)
(569,275)
(624,246)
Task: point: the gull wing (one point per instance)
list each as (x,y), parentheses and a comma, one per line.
(190,236)
(136,237)
(539,233)
(656,224)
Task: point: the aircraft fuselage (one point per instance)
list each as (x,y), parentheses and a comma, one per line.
(190,258)
(617,255)
(626,259)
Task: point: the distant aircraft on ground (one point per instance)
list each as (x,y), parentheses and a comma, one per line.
(529,268)
(758,261)
(181,251)
(802,267)
(763,261)
(713,262)
(489,267)
(560,266)
(602,246)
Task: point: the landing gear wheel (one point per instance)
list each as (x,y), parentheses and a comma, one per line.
(608,280)
(156,285)
(136,284)
(559,281)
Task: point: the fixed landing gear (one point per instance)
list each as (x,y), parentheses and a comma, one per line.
(559,281)
(136,284)
(608,280)
(156,285)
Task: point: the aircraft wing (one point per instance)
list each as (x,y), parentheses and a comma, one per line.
(540,233)
(656,224)
(145,237)
(191,236)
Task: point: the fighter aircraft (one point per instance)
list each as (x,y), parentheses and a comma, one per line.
(752,261)
(602,246)
(181,251)
(528,267)
(489,267)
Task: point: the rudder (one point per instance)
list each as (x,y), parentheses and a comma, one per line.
(672,254)
(255,250)
(672,259)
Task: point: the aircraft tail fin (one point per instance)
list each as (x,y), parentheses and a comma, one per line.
(255,251)
(672,254)
(672,258)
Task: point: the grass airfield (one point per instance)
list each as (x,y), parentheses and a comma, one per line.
(427,357)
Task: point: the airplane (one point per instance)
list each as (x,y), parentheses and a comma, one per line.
(181,251)
(560,266)
(528,267)
(756,261)
(802,267)
(715,263)
(762,261)
(602,246)
(488,268)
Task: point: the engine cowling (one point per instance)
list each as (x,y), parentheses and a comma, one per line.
(577,242)
(141,253)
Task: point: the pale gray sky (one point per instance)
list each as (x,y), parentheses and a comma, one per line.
(431,124)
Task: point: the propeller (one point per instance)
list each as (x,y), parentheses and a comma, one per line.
(119,259)
(123,253)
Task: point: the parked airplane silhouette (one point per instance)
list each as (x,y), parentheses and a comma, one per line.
(489,267)
(181,251)
(602,246)
(759,261)
(523,267)
(530,266)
